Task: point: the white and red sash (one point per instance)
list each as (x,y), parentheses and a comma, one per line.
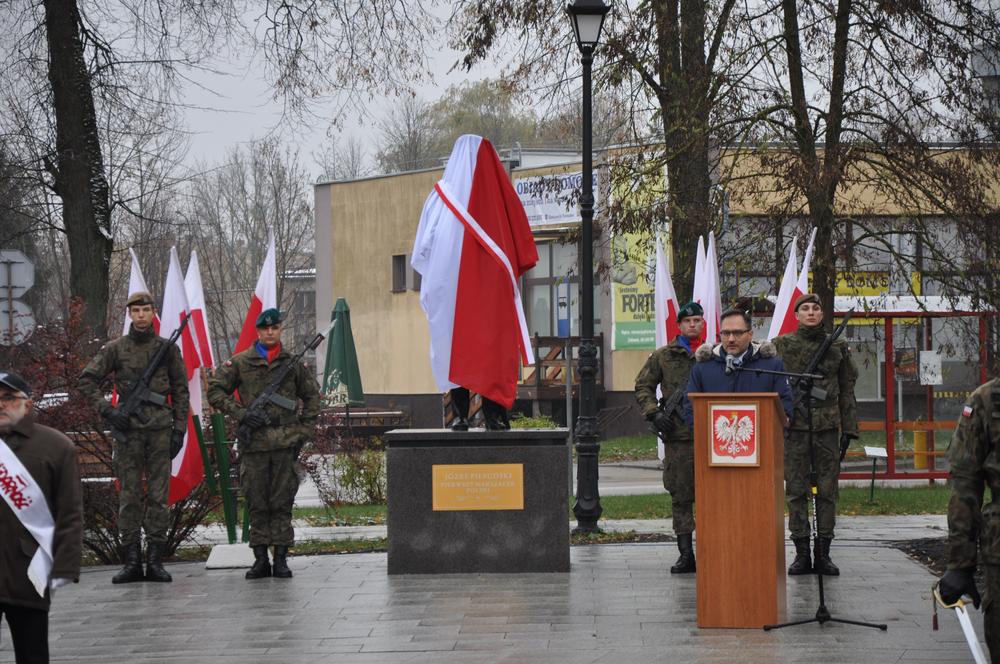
(23,495)
(494,250)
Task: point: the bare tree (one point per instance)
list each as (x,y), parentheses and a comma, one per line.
(261,189)
(104,59)
(341,161)
(409,139)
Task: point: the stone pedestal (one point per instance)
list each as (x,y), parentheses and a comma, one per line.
(477,501)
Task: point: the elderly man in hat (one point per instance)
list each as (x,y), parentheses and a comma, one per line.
(41,519)
(267,463)
(834,419)
(154,435)
(668,368)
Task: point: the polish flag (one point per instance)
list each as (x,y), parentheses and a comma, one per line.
(700,291)
(137,283)
(265,296)
(713,295)
(666,304)
(472,245)
(784,301)
(789,323)
(199,312)
(186,469)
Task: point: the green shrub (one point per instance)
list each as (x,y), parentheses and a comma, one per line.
(522,421)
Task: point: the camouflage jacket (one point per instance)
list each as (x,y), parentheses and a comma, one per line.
(127,357)
(974,455)
(839,409)
(249,374)
(669,367)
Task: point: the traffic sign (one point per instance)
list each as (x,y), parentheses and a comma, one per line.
(17,272)
(23,322)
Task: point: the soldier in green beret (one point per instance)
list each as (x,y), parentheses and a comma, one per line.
(834,419)
(668,367)
(153,439)
(974,528)
(267,463)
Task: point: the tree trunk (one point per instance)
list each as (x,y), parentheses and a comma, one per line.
(683,74)
(78,171)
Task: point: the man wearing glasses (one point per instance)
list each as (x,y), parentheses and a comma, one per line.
(729,366)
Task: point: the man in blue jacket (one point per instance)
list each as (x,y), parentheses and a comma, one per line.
(729,366)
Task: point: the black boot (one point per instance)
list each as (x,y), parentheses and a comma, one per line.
(281,570)
(685,564)
(132,571)
(460,409)
(154,564)
(802,563)
(261,565)
(495,416)
(823,564)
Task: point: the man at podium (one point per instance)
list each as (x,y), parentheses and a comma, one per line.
(729,366)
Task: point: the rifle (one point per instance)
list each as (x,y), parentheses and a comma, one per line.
(270,393)
(139,392)
(818,393)
(670,405)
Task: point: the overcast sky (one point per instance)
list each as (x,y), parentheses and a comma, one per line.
(242,108)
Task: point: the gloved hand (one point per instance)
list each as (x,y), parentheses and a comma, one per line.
(660,421)
(256,419)
(845,442)
(176,443)
(116,418)
(58,582)
(958,582)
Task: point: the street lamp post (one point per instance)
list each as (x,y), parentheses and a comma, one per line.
(588,19)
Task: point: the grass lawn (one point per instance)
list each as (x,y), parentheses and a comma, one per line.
(628,448)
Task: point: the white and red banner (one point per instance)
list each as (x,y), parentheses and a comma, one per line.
(783,310)
(186,469)
(784,301)
(734,435)
(199,312)
(666,306)
(713,292)
(472,245)
(265,296)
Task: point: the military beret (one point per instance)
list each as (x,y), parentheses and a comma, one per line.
(139,298)
(690,309)
(269,317)
(14,382)
(807,297)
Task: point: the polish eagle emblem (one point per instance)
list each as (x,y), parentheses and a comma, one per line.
(734,435)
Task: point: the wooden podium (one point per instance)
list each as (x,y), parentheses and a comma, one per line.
(739,498)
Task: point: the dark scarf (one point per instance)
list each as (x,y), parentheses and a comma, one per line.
(141,337)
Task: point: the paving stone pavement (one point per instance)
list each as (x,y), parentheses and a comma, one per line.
(619,604)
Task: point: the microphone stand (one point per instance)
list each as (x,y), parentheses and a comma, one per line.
(822,613)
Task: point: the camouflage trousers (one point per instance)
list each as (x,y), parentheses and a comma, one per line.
(826,457)
(269,484)
(678,479)
(991,614)
(147,453)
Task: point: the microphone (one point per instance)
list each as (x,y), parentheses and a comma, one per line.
(730,362)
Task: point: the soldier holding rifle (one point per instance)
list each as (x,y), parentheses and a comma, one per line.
(668,367)
(834,425)
(272,429)
(148,424)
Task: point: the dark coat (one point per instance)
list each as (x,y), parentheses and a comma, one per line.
(709,375)
(50,458)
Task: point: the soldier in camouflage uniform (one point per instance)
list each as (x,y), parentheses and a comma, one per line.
(267,463)
(153,439)
(835,422)
(668,367)
(974,455)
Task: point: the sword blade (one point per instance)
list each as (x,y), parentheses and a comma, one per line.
(970,635)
